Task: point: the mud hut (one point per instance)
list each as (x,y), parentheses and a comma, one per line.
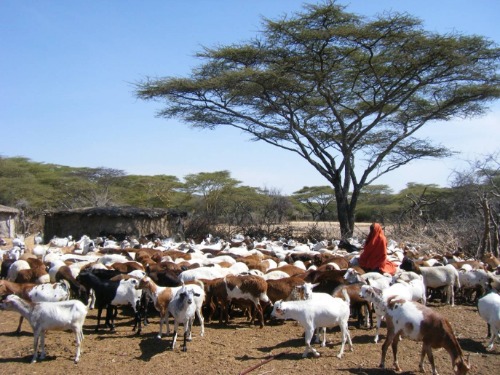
(8,219)
(116,221)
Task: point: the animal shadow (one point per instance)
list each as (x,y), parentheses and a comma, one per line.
(152,346)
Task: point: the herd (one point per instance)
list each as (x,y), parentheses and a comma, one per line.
(319,285)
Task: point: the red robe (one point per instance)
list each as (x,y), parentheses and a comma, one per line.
(374,255)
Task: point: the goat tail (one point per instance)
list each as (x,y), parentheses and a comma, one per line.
(346,296)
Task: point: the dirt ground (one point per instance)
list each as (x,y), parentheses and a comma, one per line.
(231,349)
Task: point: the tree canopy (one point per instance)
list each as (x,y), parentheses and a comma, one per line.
(346,93)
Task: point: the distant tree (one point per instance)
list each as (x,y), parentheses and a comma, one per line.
(210,188)
(241,205)
(151,191)
(346,93)
(275,208)
(480,184)
(98,192)
(319,201)
(376,203)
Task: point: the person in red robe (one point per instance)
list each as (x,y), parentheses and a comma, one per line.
(374,255)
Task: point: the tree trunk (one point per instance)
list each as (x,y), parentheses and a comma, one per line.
(345,212)
(495,240)
(485,245)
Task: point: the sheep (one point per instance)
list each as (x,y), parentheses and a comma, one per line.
(35,293)
(488,307)
(322,310)
(183,308)
(251,288)
(44,316)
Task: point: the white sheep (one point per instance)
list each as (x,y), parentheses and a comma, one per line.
(489,309)
(322,310)
(44,316)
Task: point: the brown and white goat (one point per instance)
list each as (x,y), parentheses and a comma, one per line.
(161,297)
(251,288)
(37,273)
(419,323)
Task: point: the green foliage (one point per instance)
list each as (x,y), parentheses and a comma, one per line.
(339,90)
(319,201)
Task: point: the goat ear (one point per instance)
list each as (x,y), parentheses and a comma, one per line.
(314,285)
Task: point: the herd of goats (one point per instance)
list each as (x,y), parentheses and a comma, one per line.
(319,285)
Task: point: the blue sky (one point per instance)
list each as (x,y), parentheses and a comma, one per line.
(67,70)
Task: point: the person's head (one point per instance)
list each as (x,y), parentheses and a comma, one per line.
(375,228)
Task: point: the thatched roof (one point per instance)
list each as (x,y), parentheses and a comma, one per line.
(7,209)
(120,211)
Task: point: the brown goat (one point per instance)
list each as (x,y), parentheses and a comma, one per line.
(37,273)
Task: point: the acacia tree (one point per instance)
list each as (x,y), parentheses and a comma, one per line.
(318,200)
(210,187)
(346,93)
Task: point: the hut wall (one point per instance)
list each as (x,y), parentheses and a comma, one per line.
(7,225)
(97,225)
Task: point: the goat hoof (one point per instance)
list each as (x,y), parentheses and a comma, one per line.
(184,349)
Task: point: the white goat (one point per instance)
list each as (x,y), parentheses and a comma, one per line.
(438,276)
(183,309)
(489,309)
(373,278)
(473,280)
(44,316)
(398,289)
(416,287)
(322,310)
(208,273)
